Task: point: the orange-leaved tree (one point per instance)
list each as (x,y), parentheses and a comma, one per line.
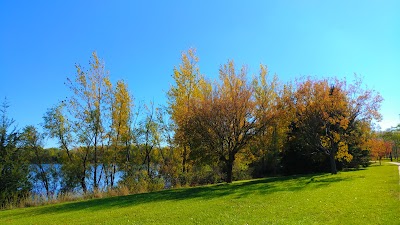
(322,117)
(327,113)
(224,121)
(379,148)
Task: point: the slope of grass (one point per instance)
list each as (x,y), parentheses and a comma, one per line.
(370,196)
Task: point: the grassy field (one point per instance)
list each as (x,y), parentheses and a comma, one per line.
(370,196)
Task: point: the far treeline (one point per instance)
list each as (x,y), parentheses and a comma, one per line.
(210,131)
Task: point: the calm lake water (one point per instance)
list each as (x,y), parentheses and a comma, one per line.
(55,182)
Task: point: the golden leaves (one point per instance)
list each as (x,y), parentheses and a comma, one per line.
(343,152)
(121,112)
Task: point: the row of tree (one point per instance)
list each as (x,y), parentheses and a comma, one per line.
(321,120)
(235,127)
(385,144)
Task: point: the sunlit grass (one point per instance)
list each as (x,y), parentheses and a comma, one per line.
(370,196)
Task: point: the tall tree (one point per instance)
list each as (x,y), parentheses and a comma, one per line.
(89,107)
(187,78)
(228,119)
(14,165)
(82,129)
(268,145)
(149,136)
(120,135)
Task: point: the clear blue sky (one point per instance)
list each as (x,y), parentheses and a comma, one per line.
(141,42)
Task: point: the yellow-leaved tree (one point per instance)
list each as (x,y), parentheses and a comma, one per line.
(187,87)
(118,151)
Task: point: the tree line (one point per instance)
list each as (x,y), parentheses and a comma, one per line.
(234,127)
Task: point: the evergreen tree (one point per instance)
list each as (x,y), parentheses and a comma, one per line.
(14,165)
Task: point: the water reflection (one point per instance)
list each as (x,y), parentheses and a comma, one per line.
(54,178)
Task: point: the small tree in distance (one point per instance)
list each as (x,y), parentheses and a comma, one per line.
(379,148)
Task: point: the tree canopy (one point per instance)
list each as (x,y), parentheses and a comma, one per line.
(238,126)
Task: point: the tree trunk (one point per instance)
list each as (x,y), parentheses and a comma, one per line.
(333,162)
(83,184)
(113,175)
(229,168)
(128,156)
(148,164)
(184,159)
(95,166)
(83,175)
(43,173)
(45,181)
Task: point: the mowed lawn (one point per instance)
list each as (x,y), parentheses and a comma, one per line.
(370,196)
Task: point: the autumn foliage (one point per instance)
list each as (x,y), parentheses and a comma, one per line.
(324,121)
(379,148)
(237,126)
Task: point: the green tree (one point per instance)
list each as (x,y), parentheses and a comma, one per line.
(74,166)
(14,164)
(44,170)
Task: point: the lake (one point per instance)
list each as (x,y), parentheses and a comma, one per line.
(56,181)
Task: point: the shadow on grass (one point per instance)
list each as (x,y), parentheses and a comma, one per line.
(235,190)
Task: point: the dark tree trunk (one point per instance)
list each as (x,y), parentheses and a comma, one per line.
(45,181)
(113,175)
(148,164)
(128,155)
(229,168)
(43,173)
(95,166)
(83,175)
(333,162)
(184,159)
(83,184)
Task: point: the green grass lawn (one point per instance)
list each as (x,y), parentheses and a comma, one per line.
(370,196)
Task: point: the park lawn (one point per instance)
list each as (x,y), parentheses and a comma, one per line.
(369,196)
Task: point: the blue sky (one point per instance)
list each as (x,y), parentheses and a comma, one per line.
(141,42)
